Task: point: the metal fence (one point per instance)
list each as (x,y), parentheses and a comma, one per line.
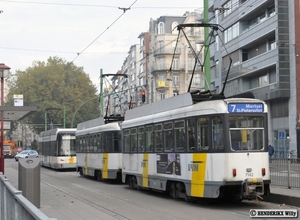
(285,172)
(14,206)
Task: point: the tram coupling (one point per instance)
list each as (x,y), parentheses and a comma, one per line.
(252,188)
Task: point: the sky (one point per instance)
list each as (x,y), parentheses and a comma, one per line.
(93,34)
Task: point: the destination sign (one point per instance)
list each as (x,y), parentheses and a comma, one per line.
(245,108)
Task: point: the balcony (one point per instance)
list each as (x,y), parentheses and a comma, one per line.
(165,51)
(262,61)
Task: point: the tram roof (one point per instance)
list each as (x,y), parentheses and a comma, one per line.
(91,123)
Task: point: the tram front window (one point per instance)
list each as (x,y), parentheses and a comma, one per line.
(246,133)
(66,145)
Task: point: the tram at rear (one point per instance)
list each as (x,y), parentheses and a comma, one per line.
(198,149)
(99,152)
(57,148)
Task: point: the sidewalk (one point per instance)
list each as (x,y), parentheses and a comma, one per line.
(284,195)
(57,205)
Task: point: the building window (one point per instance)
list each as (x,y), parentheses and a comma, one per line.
(162,95)
(174,27)
(175,80)
(161,46)
(231,33)
(263,80)
(262,17)
(161,28)
(271,10)
(193,46)
(192,33)
(161,77)
(175,64)
(141,55)
(230,6)
(271,44)
(175,92)
(141,68)
(191,63)
(162,63)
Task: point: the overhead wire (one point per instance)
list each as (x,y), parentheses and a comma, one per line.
(124,11)
(68,4)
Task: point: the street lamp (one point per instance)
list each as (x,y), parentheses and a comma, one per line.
(4,70)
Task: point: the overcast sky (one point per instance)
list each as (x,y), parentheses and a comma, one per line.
(94,34)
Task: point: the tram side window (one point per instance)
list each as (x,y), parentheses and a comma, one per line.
(126,140)
(87,143)
(53,148)
(217,132)
(191,134)
(108,142)
(202,134)
(149,138)
(72,146)
(133,140)
(80,145)
(99,142)
(77,144)
(116,142)
(168,137)
(140,139)
(158,137)
(83,144)
(48,147)
(92,143)
(95,142)
(180,137)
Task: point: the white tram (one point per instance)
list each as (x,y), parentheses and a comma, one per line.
(99,152)
(57,148)
(198,149)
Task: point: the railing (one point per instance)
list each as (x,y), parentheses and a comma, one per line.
(14,206)
(285,172)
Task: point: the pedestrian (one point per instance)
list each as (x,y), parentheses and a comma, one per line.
(271,152)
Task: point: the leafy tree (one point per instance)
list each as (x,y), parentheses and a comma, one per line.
(53,86)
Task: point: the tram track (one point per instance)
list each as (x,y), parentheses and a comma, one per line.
(115,214)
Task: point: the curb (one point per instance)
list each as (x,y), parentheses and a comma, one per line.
(282,199)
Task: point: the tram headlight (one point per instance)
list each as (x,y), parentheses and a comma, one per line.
(234,172)
(263,171)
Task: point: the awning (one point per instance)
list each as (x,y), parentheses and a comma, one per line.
(13,113)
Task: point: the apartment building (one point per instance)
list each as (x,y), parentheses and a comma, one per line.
(126,90)
(171,59)
(260,38)
(159,65)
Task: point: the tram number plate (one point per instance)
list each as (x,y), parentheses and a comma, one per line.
(249,174)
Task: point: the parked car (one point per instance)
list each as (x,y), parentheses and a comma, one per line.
(27,154)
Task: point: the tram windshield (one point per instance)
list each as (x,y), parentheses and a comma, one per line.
(246,133)
(66,143)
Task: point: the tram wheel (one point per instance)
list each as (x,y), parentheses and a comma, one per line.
(172,190)
(99,175)
(132,182)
